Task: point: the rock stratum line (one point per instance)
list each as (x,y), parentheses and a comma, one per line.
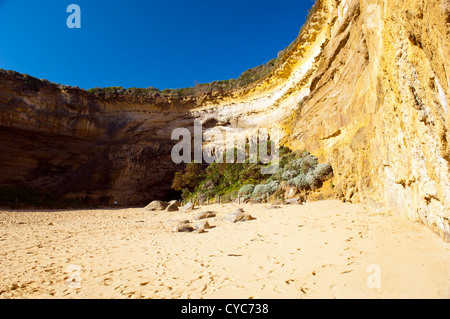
(365,87)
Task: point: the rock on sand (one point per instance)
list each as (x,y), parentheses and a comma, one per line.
(202,224)
(204,215)
(237,217)
(172,207)
(188,206)
(183,228)
(156,205)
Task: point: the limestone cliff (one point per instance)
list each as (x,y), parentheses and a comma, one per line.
(364,87)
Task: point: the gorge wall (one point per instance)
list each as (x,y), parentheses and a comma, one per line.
(365,87)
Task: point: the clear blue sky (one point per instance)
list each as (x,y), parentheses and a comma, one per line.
(142,43)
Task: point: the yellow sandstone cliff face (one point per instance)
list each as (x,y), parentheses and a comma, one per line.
(365,87)
(379,111)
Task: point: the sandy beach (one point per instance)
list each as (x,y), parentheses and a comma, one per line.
(324,249)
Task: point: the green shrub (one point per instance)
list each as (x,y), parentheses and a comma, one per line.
(289,174)
(323,171)
(109,91)
(309,161)
(170,92)
(247,189)
(313,181)
(190,179)
(304,164)
(138,91)
(299,181)
(262,190)
(299,169)
(207,188)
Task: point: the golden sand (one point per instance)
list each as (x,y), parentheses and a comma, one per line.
(325,249)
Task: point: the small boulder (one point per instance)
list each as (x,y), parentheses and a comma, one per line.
(188,206)
(172,207)
(183,228)
(204,215)
(175,202)
(156,205)
(291,192)
(202,224)
(237,217)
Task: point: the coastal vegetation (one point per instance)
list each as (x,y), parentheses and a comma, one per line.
(298,169)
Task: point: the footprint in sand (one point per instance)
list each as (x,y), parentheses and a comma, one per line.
(346,271)
(107,281)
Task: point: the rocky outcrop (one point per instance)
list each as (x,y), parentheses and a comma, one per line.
(365,87)
(378,109)
(66,141)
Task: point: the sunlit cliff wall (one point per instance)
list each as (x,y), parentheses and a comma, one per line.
(366,88)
